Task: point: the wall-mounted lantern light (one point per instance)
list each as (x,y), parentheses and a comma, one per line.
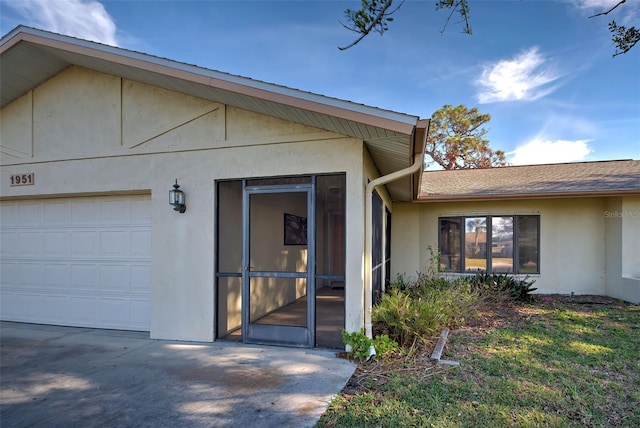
(176,198)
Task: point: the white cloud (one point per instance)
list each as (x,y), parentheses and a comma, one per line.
(86,19)
(539,151)
(525,77)
(625,13)
(588,4)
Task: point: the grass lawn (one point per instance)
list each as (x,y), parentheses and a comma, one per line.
(558,362)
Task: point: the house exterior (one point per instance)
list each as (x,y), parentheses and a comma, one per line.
(290,202)
(93,138)
(573,228)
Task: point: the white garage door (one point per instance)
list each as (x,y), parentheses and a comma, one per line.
(76,261)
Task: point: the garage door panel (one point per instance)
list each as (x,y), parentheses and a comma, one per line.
(115,212)
(84,311)
(141,244)
(18,305)
(57,276)
(77,261)
(8,243)
(140,312)
(10,274)
(114,243)
(30,214)
(85,276)
(85,212)
(141,211)
(56,213)
(30,244)
(53,309)
(9,214)
(113,312)
(114,278)
(14,306)
(31,275)
(84,244)
(140,279)
(56,244)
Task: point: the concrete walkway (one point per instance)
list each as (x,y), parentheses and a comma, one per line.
(72,377)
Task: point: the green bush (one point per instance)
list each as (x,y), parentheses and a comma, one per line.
(360,344)
(384,344)
(406,318)
(413,312)
(503,285)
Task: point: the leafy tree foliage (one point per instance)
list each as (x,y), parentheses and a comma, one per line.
(457,140)
(375,15)
(624,38)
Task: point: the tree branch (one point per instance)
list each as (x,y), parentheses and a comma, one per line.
(623,38)
(462,6)
(446,22)
(610,10)
(625,50)
(377,20)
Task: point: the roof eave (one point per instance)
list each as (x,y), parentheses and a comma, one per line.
(391,133)
(520,196)
(392,121)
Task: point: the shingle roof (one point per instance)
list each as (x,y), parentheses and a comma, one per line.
(541,181)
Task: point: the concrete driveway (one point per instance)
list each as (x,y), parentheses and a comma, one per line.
(65,377)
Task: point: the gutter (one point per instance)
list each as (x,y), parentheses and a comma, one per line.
(417,164)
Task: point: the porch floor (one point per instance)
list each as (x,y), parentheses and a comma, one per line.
(329,317)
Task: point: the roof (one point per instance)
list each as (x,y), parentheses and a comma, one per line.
(605,178)
(30,56)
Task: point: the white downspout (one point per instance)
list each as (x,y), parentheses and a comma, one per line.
(368,240)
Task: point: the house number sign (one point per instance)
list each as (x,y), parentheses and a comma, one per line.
(22,179)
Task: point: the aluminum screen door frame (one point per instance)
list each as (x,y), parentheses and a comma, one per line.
(298,336)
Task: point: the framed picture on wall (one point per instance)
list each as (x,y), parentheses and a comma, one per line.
(295,230)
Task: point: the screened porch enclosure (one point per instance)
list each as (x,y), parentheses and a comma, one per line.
(281,260)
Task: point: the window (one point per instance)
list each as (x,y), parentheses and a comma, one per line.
(497,244)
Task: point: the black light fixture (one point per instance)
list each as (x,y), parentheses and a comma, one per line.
(176,198)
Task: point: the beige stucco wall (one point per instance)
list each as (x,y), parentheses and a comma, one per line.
(406,232)
(16,132)
(631,237)
(98,134)
(622,225)
(572,238)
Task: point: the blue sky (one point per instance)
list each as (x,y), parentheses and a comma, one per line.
(542,69)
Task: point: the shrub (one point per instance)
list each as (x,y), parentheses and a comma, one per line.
(416,311)
(503,285)
(360,344)
(384,344)
(406,318)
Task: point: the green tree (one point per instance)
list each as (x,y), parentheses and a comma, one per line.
(457,140)
(375,15)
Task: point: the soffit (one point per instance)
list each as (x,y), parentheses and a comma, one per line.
(30,57)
